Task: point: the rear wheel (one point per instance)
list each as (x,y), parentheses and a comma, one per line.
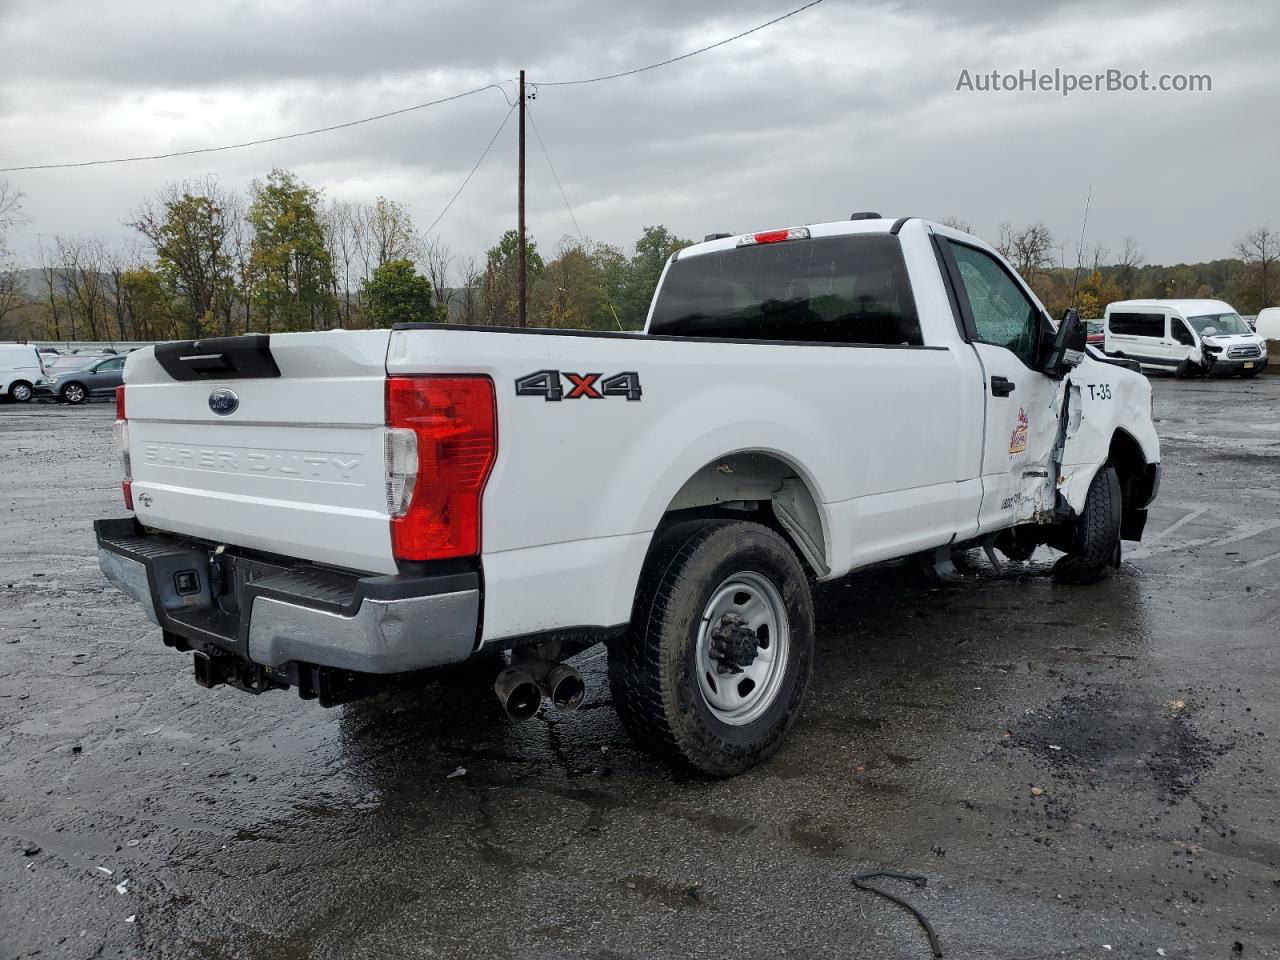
(1095,540)
(715,664)
(20,391)
(74,393)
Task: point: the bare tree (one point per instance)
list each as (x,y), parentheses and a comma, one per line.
(472,276)
(1029,250)
(342,221)
(385,232)
(82,266)
(1260,249)
(437,264)
(12,292)
(1131,260)
(54,296)
(955,223)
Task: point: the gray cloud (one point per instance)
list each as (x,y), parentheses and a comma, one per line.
(848,106)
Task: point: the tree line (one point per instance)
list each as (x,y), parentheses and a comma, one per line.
(1091,277)
(213,261)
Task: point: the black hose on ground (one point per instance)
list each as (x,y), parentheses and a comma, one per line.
(860,881)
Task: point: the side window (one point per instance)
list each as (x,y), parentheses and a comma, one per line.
(1181,334)
(1137,324)
(107,366)
(1002,313)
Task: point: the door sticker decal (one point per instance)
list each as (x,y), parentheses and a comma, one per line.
(1018,441)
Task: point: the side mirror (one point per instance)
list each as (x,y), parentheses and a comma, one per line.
(1064,349)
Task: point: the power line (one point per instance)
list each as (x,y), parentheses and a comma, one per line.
(254,143)
(464,183)
(683,56)
(402,110)
(551,166)
(555,176)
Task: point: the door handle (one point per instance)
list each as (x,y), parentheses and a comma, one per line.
(1002,386)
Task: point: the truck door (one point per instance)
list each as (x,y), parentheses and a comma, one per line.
(1021,403)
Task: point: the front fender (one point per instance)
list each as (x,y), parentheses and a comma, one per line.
(1105,400)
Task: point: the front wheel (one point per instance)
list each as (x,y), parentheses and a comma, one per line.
(74,393)
(20,392)
(713,669)
(1095,534)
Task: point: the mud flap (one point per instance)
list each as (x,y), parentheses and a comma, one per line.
(1132,523)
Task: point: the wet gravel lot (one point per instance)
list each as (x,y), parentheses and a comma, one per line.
(1079,771)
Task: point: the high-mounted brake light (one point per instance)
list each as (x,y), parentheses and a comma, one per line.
(122,441)
(774,236)
(441,442)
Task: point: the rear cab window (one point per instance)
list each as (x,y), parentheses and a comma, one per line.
(848,289)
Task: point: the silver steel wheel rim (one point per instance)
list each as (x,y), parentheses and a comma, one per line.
(740,698)
(75,394)
(22,393)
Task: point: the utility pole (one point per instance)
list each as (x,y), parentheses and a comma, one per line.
(520,267)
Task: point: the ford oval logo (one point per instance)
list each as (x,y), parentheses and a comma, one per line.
(223,402)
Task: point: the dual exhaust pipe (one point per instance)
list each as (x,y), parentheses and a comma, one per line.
(520,688)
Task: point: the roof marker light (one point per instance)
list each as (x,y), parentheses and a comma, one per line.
(774,236)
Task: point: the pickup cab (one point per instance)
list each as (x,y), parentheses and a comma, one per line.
(322,510)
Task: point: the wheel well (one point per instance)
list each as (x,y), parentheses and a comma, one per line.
(1131,465)
(762,484)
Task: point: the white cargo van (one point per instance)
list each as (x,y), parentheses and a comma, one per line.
(20,368)
(1184,337)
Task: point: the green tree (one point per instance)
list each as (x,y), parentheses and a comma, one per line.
(653,249)
(291,267)
(189,226)
(144,295)
(500,292)
(397,293)
(579,287)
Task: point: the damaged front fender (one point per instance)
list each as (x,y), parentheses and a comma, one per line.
(1109,420)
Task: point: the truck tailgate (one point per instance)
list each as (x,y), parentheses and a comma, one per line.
(295,467)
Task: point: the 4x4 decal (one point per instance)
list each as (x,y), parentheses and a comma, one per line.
(582,386)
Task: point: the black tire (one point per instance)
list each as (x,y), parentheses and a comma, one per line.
(653,669)
(1096,534)
(20,391)
(74,393)
(1183,370)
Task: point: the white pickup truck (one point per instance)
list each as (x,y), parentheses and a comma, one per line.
(319,510)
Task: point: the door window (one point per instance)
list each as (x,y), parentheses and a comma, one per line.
(1182,335)
(107,366)
(1003,315)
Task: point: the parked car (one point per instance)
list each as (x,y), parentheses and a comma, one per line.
(319,510)
(1184,337)
(1097,331)
(20,369)
(98,378)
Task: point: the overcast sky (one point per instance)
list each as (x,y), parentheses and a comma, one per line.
(847,106)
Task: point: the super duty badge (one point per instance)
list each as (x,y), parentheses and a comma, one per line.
(548,385)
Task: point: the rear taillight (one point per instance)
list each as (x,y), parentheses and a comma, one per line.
(775,236)
(440,445)
(122,441)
